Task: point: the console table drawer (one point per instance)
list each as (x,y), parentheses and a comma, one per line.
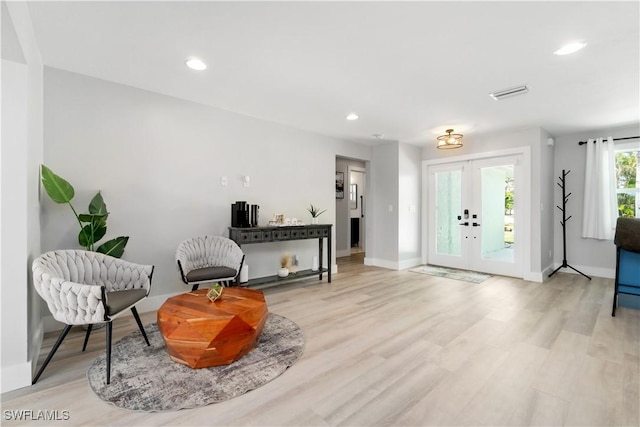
(281,235)
(312,233)
(285,234)
(245,237)
(298,234)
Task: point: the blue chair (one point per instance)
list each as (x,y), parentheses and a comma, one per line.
(627,241)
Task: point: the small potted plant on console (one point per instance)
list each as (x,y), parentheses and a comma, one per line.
(315,213)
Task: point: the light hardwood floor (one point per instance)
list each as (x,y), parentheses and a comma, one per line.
(400,348)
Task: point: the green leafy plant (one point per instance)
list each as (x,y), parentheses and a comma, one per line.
(315,212)
(93,225)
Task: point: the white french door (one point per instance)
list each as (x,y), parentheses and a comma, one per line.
(474,214)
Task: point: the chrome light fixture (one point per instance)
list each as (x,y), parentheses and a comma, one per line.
(450,140)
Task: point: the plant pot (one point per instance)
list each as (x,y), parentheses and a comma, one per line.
(314,221)
(283,272)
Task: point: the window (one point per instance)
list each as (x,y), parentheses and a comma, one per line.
(627,186)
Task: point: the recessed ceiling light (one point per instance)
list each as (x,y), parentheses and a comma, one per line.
(570,48)
(196,64)
(352,116)
(378,135)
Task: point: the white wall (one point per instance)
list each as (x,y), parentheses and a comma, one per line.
(547,206)
(542,188)
(592,257)
(158,162)
(382,211)
(14,222)
(409,212)
(20,154)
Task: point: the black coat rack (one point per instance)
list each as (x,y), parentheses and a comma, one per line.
(565,218)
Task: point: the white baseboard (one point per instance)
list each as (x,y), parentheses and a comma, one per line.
(538,276)
(50,324)
(151,303)
(381,263)
(547,271)
(36,344)
(533,276)
(393,265)
(15,376)
(409,263)
(607,273)
(343,252)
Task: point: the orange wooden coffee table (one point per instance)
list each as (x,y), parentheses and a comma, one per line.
(201,333)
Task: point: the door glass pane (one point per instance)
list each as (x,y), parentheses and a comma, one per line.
(448,207)
(496,221)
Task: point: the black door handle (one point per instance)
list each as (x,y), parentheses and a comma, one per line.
(466,224)
(476,224)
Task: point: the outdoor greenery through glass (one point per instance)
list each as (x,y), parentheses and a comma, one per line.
(627,165)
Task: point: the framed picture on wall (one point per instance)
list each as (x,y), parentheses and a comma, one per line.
(339,185)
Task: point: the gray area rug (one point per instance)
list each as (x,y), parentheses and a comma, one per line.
(452,273)
(144,378)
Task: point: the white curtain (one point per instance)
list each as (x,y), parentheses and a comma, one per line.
(600,200)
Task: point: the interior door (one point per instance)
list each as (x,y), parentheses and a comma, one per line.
(473,215)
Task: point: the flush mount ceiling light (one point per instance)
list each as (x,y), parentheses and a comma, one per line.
(450,140)
(507,93)
(196,64)
(570,48)
(352,116)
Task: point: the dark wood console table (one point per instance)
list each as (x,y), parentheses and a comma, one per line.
(244,236)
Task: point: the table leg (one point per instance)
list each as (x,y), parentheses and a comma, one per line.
(329,256)
(320,256)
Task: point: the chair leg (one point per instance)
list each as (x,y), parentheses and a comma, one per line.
(109,325)
(613,310)
(86,337)
(135,315)
(63,334)
(194,288)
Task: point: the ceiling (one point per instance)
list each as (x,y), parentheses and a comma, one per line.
(410,70)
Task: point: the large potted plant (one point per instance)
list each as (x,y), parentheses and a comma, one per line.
(93,225)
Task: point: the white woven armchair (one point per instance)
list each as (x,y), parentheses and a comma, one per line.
(209,259)
(86,288)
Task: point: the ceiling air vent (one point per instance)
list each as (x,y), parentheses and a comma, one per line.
(501,94)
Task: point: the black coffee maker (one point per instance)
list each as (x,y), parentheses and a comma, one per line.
(244,215)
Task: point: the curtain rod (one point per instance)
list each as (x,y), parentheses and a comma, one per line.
(615,139)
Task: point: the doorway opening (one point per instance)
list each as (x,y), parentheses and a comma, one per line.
(350,209)
(356,209)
